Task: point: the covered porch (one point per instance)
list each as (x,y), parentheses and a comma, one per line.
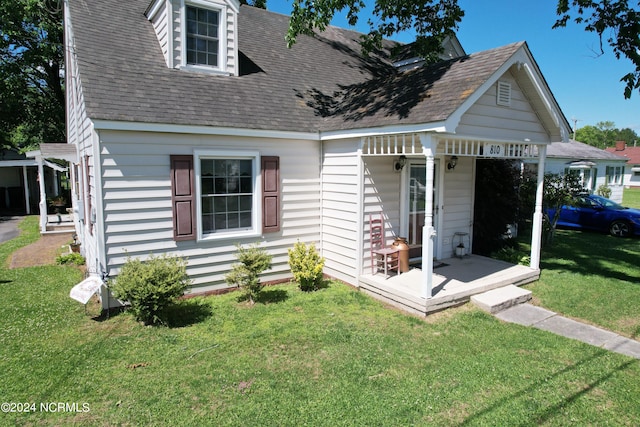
(455,280)
(445,200)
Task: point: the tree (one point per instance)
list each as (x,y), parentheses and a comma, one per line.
(31,73)
(559,190)
(614,21)
(261,4)
(432,20)
(616,24)
(605,134)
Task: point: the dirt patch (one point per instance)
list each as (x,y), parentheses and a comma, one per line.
(42,252)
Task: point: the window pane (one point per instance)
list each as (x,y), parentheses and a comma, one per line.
(230,184)
(245,203)
(220,222)
(207,205)
(207,224)
(245,219)
(220,204)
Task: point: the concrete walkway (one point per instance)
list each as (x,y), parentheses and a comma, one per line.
(9,227)
(508,305)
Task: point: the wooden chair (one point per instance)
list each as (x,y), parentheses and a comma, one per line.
(383,258)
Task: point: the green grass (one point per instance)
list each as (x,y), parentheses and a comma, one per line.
(329,358)
(631,197)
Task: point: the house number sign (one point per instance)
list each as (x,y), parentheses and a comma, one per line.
(494,150)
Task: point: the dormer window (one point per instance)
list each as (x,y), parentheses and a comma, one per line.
(203,41)
(197,35)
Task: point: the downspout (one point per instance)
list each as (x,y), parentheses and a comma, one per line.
(428,230)
(536,235)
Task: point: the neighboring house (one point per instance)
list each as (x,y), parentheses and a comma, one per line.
(594,166)
(19,185)
(197,129)
(632,167)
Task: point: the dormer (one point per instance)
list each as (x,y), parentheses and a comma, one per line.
(406,59)
(197,35)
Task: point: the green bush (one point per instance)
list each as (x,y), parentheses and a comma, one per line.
(604,191)
(151,286)
(306,266)
(512,255)
(253,261)
(72,258)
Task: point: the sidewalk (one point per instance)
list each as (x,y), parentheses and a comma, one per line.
(538,317)
(507,304)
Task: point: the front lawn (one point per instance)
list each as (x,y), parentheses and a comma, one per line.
(631,197)
(328,358)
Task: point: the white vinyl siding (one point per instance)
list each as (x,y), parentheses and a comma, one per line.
(340,207)
(161,26)
(488,119)
(137,202)
(456,214)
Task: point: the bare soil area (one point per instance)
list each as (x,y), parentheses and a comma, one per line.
(42,252)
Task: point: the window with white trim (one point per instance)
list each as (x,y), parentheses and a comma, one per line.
(203,40)
(614,175)
(221,194)
(227,194)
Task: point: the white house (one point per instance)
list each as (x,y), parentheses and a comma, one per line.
(631,174)
(594,166)
(198,129)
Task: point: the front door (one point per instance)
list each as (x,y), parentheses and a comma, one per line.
(416,187)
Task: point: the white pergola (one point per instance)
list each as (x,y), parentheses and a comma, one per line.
(431,145)
(60,151)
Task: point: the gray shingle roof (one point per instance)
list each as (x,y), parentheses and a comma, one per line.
(322,83)
(579,150)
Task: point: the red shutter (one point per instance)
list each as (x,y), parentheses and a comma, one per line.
(183,198)
(270,194)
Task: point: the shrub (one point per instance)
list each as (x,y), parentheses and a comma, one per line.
(151,286)
(253,261)
(513,256)
(604,191)
(72,258)
(306,266)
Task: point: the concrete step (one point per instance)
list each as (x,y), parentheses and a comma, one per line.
(500,299)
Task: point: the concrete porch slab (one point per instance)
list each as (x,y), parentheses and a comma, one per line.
(500,299)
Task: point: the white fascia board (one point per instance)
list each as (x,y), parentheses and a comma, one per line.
(153,9)
(202,130)
(13,163)
(438,127)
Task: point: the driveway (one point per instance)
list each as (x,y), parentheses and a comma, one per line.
(9,227)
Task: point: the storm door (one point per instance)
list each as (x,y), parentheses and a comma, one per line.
(416,188)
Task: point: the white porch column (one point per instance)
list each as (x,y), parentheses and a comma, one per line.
(536,235)
(43,195)
(428,230)
(26,189)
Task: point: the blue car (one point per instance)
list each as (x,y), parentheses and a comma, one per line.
(597,213)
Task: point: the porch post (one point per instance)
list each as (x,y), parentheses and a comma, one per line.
(43,195)
(428,231)
(536,235)
(25,178)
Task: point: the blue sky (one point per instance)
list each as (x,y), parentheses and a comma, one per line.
(586,86)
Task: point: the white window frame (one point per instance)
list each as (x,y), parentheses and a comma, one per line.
(615,175)
(256,211)
(222,37)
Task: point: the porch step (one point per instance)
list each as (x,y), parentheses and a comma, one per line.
(501,298)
